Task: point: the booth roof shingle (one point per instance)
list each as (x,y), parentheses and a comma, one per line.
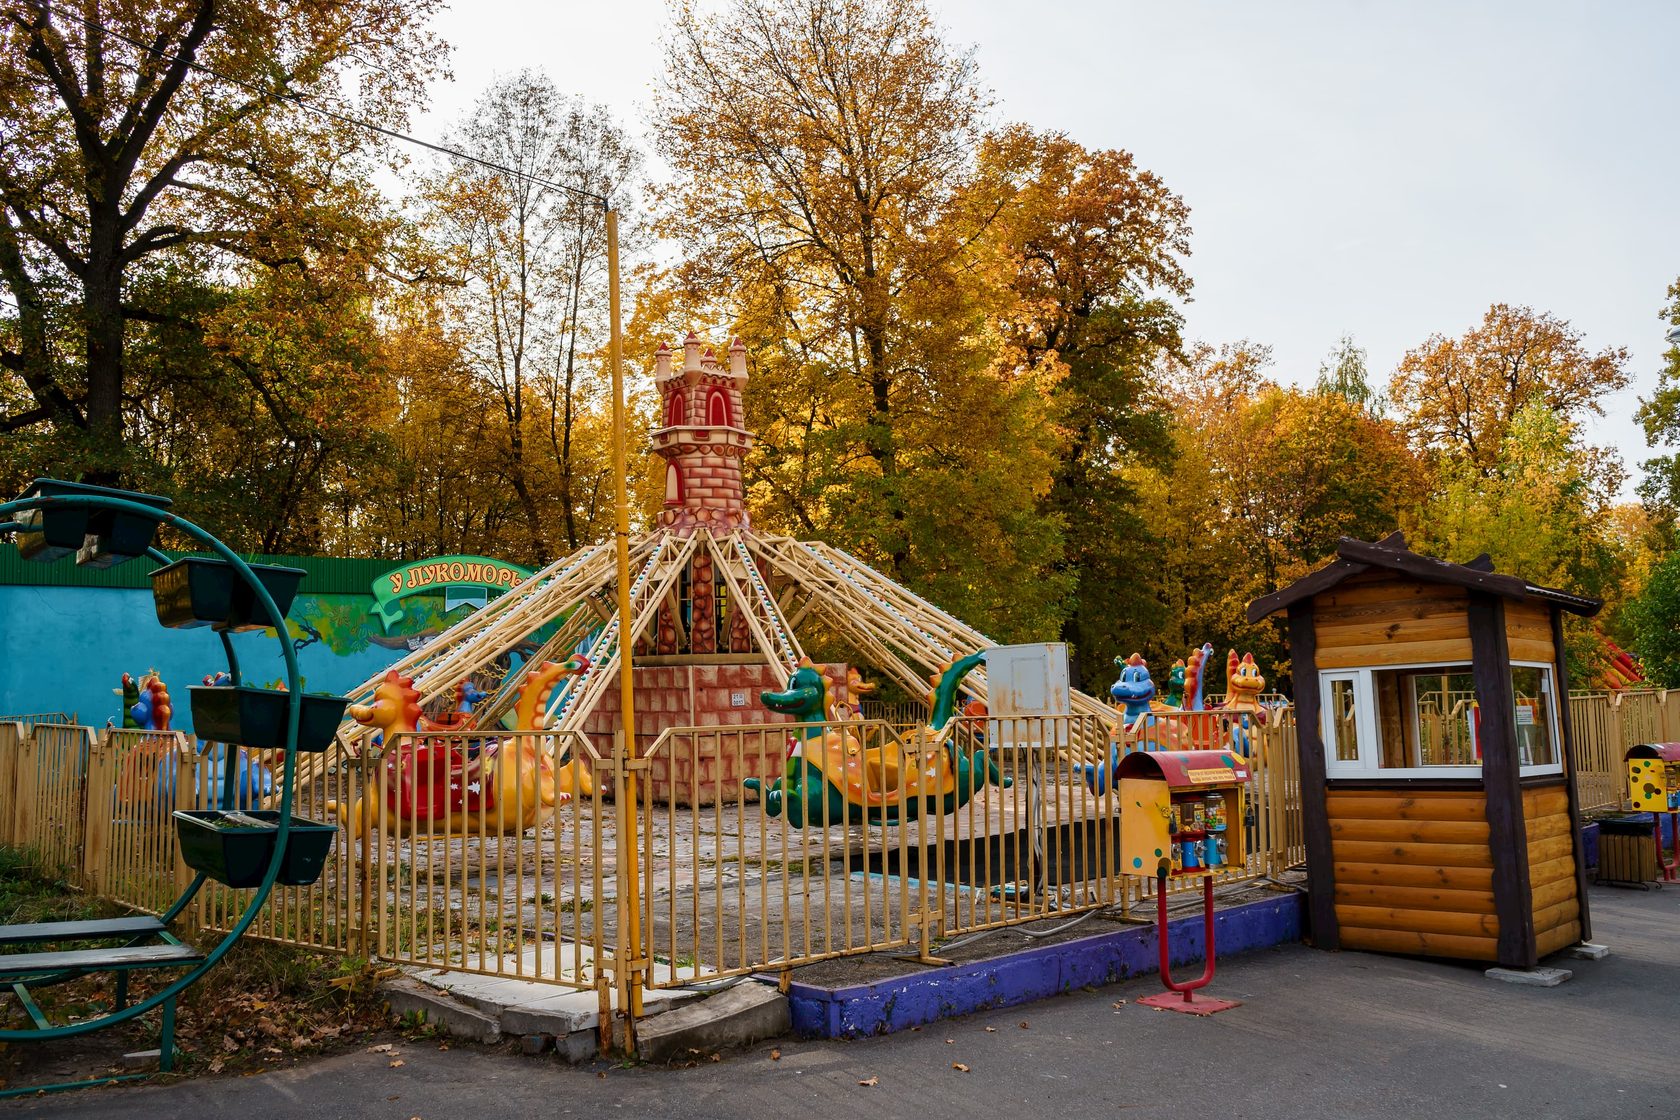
(1355,556)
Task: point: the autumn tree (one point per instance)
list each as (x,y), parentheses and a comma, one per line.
(817,146)
(1542,513)
(821,155)
(1262,482)
(528,250)
(1659,414)
(1089,249)
(435,482)
(1460,396)
(146,136)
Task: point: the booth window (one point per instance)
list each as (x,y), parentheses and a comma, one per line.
(1424,721)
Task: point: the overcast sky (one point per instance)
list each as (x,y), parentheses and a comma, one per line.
(1385,171)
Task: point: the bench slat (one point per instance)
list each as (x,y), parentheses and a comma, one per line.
(98,960)
(89,930)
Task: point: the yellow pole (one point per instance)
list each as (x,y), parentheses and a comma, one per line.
(631,884)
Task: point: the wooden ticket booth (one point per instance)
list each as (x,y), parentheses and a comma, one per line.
(1437,788)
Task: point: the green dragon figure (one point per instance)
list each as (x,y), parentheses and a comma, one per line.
(1174,697)
(831,778)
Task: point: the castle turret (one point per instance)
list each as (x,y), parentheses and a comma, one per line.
(701,437)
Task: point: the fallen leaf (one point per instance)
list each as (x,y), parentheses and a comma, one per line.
(602,1074)
(870,1082)
(216,1066)
(991,1030)
(382,1048)
(775,1055)
(229,1044)
(948,1041)
(1119,1003)
(396,1063)
(1025,1025)
(959,1067)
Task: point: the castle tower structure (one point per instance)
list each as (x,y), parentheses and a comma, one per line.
(702,438)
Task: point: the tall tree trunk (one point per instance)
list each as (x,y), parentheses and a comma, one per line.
(104,325)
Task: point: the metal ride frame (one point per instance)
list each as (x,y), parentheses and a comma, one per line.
(119,501)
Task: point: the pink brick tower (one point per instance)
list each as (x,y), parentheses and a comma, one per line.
(702,439)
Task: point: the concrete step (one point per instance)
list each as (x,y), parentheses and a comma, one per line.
(746,1013)
(405,995)
(546,1016)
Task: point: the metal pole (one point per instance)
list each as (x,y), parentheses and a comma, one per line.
(631,886)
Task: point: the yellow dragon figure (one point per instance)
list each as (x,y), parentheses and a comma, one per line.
(1243,683)
(466,784)
(530,711)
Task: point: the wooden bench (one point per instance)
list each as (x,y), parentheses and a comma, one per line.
(96,929)
(20,969)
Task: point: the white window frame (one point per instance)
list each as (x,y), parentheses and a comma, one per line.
(1364,724)
(1369,763)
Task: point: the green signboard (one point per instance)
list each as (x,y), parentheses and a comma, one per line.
(438,573)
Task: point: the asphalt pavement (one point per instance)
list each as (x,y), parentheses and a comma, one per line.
(1318,1035)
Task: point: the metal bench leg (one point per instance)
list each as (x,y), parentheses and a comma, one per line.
(122,990)
(166,1044)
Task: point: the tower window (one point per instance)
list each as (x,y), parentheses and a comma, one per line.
(717,410)
(673,410)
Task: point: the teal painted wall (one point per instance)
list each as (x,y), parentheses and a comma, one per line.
(68,635)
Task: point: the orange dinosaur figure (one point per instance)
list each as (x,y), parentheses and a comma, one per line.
(468,784)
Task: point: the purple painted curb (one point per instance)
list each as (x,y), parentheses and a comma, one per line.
(1107,958)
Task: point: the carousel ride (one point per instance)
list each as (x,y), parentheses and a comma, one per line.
(706,589)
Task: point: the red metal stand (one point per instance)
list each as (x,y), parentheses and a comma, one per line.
(1182,997)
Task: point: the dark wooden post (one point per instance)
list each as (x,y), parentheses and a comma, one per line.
(1568,748)
(1315,816)
(1501,779)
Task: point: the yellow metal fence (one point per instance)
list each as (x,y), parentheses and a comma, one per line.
(693,878)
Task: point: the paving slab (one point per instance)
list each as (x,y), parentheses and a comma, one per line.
(1531,977)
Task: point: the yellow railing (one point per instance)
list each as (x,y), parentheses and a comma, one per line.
(731,887)
(725,887)
(457,892)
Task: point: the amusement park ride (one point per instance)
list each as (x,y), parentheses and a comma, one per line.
(716,610)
